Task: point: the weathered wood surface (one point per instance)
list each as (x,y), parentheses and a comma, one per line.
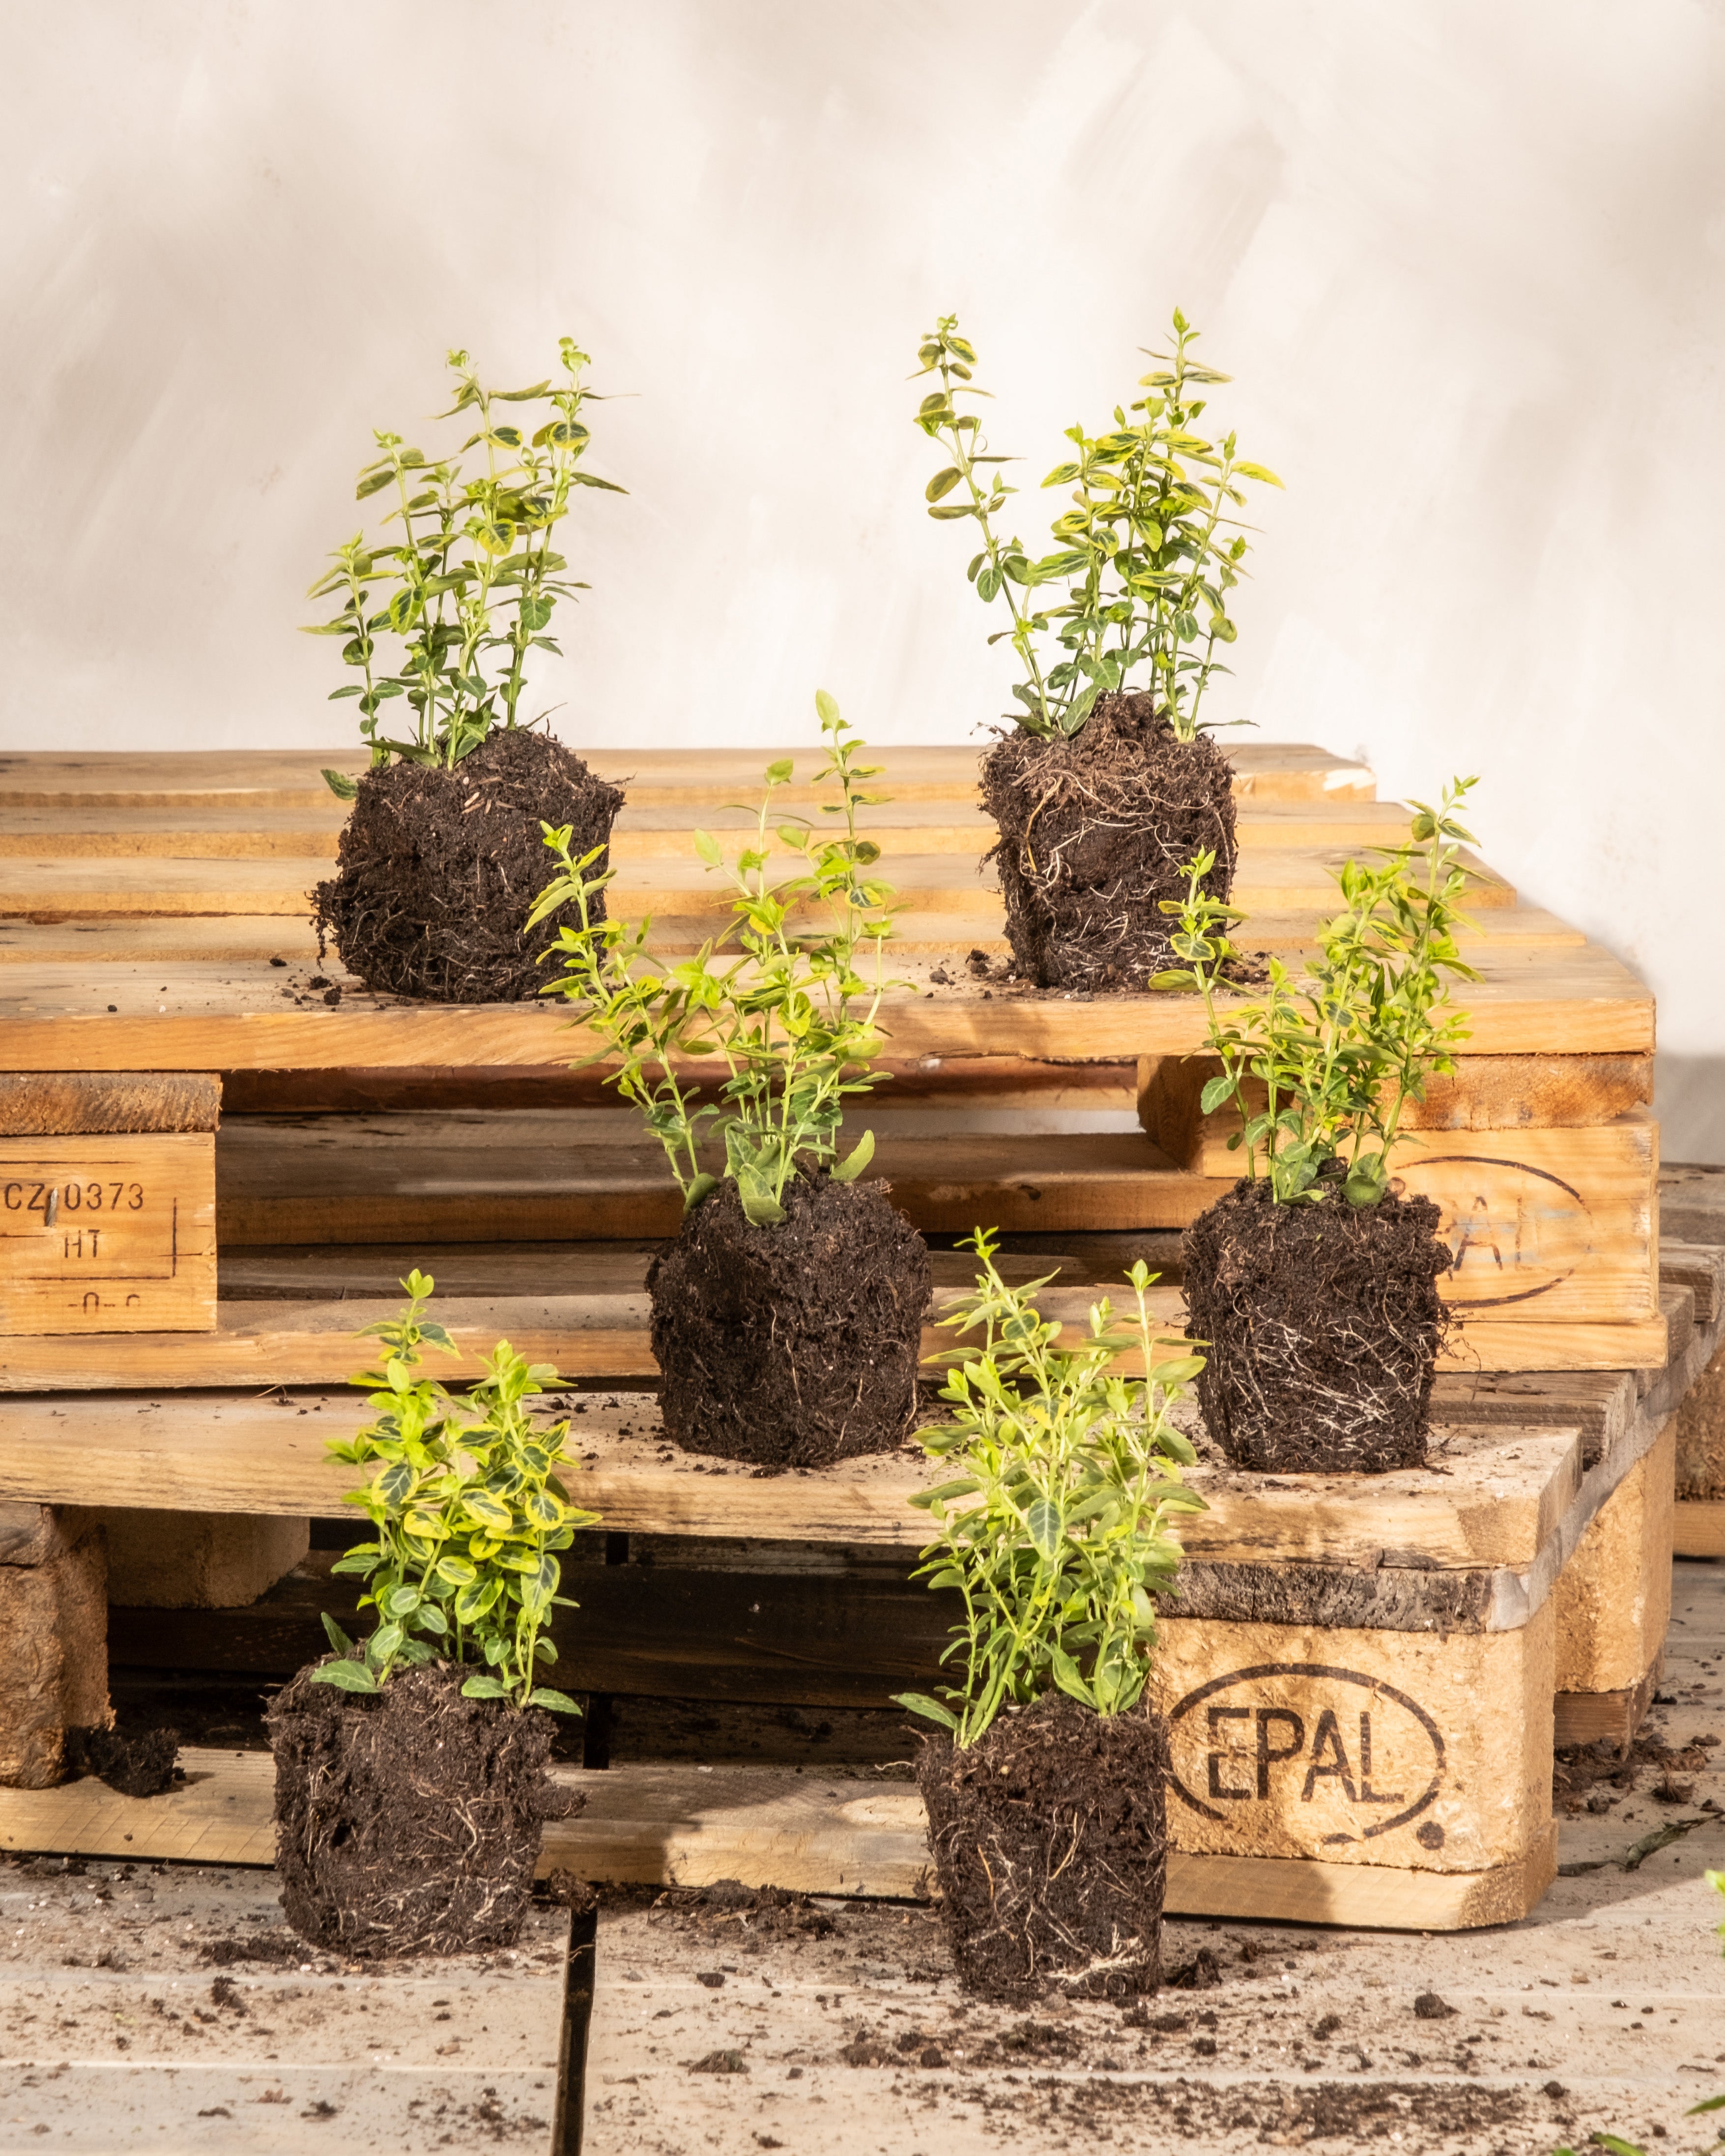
(1698,1528)
(1483,1093)
(604,1334)
(1528,1001)
(1613,1599)
(941,936)
(107,1235)
(1500,1497)
(292,778)
(108,1103)
(672,1824)
(1548,1226)
(651,830)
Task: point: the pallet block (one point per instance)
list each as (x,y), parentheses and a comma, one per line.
(1614,1598)
(54,1638)
(199,1560)
(107,1203)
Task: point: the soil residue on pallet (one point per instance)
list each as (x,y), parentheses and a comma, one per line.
(795,1345)
(1095,831)
(1049,1840)
(438,870)
(1324,1324)
(144,1765)
(408,1820)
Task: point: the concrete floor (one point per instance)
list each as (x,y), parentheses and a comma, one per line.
(837,2027)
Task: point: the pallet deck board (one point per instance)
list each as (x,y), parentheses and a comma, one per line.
(1495,1499)
(279,778)
(225,1017)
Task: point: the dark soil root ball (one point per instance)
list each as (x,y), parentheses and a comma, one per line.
(408,1820)
(438,870)
(1095,831)
(1049,1842)
(140,1766)
(796,1345)
(1324,1324)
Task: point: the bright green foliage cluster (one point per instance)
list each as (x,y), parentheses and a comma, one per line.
(1323,1065)
(470,584)
(1054,1528)
(470,1514)
(1146,554)
(791,1014)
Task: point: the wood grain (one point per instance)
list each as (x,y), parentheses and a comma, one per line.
(1498,1500)
(667,1825)
(105,1234)
(1528,1001)
(83,1103)
(1699,1526)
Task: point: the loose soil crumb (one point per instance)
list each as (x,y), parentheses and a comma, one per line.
(408,1821)
(1324,1323)
(1049,1842)
(796,1345)
(137,1766)
(1095,831)
(438,870)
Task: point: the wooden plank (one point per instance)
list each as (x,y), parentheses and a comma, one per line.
(1483,1093)
(81,1103)
(1548,1226)
(1499,1500)
(663,1823)
(942,937)
(107,1235)
(1604,1717)
(292,778)
(1272,879)
(191,1018)
(1699,1526)
(994,1082)
(602,1333)
(650,830)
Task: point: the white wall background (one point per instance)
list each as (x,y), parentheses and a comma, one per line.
(1466,258)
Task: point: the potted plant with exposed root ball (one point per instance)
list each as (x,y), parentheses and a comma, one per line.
(410,1769)
(1045,1778)
(440,859)
(788,1313)
(1108,781)
(1312,1283)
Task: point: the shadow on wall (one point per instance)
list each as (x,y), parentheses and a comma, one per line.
(1689,1098)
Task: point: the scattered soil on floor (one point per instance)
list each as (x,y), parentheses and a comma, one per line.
(1591,1778)
(796,1345)
(438,870)
(1095,831)
(408,1821)
(1324,1323)
(141,1765)
(1049,1843)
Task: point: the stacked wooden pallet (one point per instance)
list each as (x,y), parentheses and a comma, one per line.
(155,958)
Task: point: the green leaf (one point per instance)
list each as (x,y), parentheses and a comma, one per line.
(942,483)
(1216,1090)
(1046,1525)
(709,850)
(856,1160)
(340,784)
(559,1702)
(700,1187)
(919,1703)
(337,1638)
(759,1204)
(1066,1677)
(347,1676)
(481,1686)
(826,707)
(374,483)
(1258,472)
(1712,2103)
(779,773)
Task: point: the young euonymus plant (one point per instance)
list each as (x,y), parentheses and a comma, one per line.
(1146,555)
(1054,1528)
(791,1015)
(1322,1065)
(468,588)
(470,1513)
